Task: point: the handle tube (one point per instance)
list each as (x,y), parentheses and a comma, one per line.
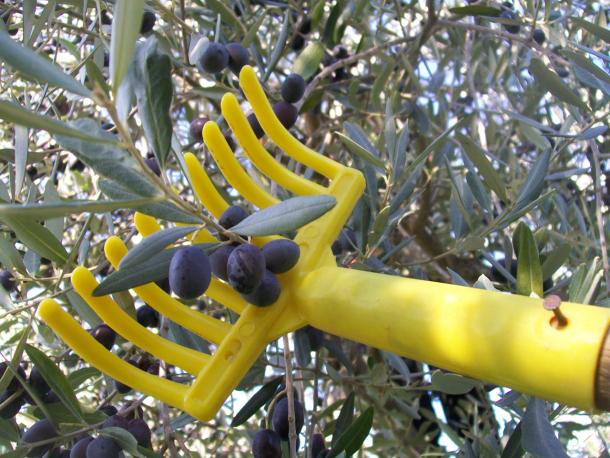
(500,338)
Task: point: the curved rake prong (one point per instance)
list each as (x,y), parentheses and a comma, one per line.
(233,172)
(205,190)
(278,133)
(190,360)
(95,354)
(145,224)
(201,324)
(259,156)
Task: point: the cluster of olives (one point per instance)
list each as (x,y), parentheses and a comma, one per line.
(215,57)
(86,446)
(15,396)
(346,242)
(508,13)
(292,90)
(267,443)
(251,271)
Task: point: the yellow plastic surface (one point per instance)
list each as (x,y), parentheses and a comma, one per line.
(499,338)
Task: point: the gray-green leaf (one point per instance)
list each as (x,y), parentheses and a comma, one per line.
(477,156)
(153,244)
(285,216)
(154,96)
(529,272)
(69,207)
(35,66)
(37,237)
(537,435)
(55,378)
(126,24)
(108,160)
(549,81)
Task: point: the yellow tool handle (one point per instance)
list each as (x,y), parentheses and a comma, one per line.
(495,337)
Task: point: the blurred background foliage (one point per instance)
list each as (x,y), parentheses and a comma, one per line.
(466,119)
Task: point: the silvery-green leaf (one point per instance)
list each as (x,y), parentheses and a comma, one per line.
(165,210)
(37,237)
(549,81)
(109,161)
(11,112)
(285,216)
(153,244)
(154,96)
(126,24)
(37,67)
(21,156)
(309,60)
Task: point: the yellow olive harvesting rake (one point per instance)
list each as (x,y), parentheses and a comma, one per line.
(499,338)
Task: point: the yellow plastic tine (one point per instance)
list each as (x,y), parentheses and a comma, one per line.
(232,171)
(205,190)
(225,295)
(277,132)
(260,157)
(145,224)
(201,324)
(95,354)
(190,360)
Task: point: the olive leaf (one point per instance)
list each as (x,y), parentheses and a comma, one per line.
(285,216)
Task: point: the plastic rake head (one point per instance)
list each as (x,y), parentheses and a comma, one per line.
(238,345)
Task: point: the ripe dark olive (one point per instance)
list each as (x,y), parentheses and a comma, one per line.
(298,42)
(317,444)
(245,268)
(147,316)
(37,382)
(238,57)
(510,28)
(13,407)
(280,417)
(7,280)
(562,72)
(345,242)
(197,128)
(266,293)
(40,431)
(267,444)
(153,165)
(293,88)
(506,6)
(315,337)
(255,125)
(305,25)
(14,384)
(109,410)
(121,387)
(105,335)
(140,430)
(229,139)
(286,113)
(539,36)
(232,216)
(281,255)
(60,453)
(51,398)
(164,285)
(115,421)
(103,447)
(154,368)
(214,58)
(106,19)
(341,52)
(324,453)
(79,450)
(219,260)
(189,273)
(148,22)
(200,303)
